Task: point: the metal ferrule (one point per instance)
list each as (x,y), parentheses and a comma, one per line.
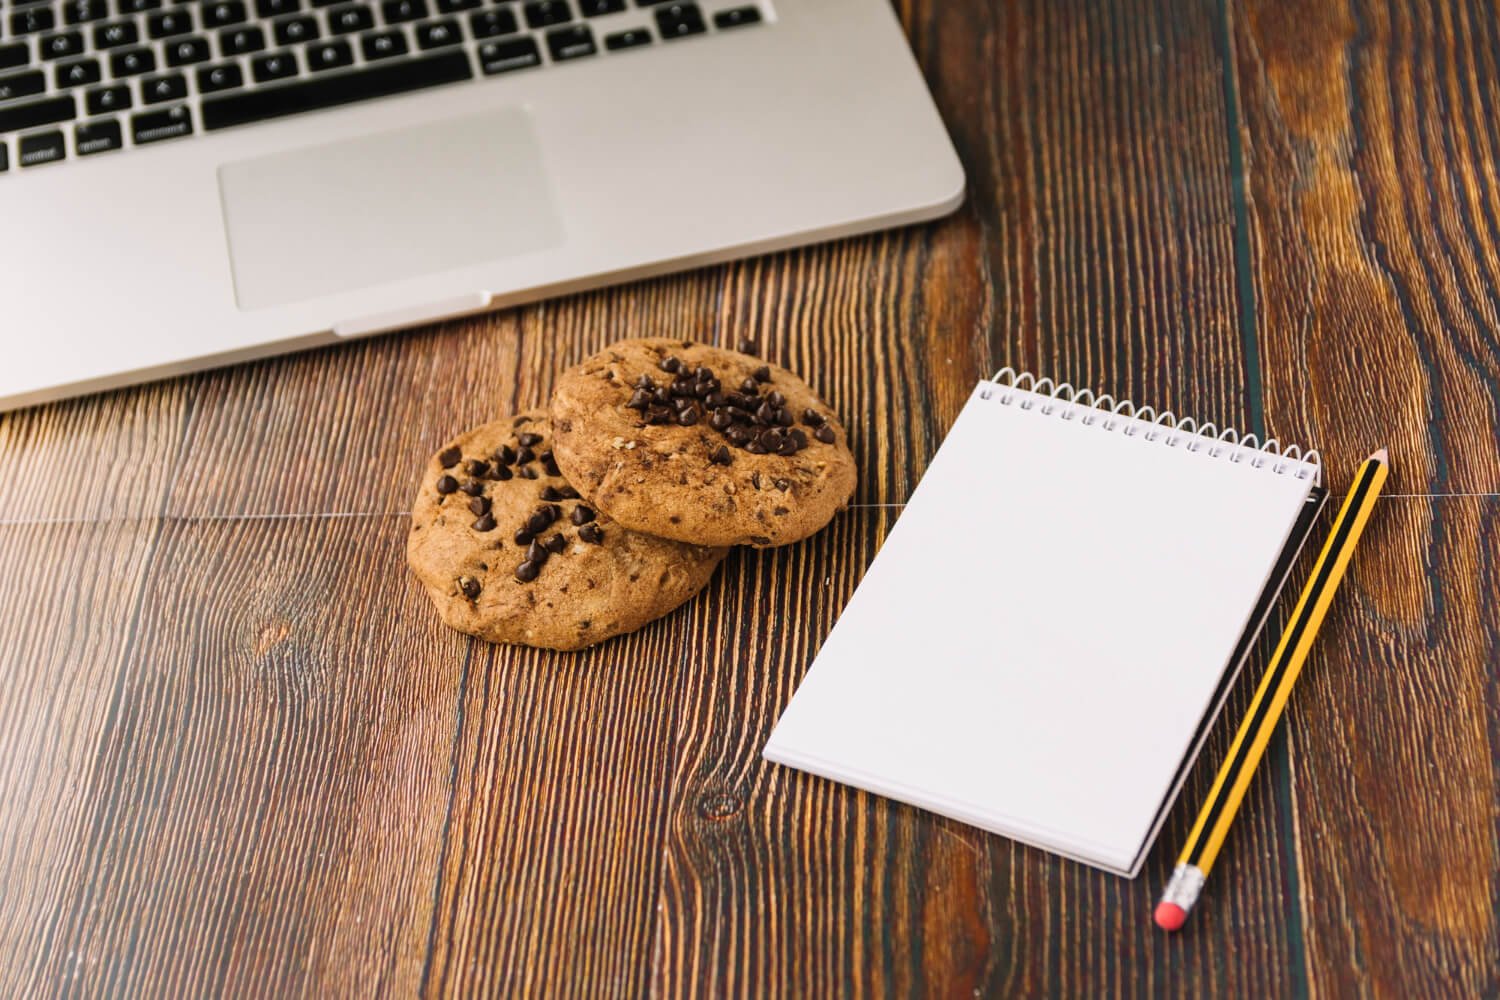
(1187,882)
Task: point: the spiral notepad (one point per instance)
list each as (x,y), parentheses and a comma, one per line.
(1052,624)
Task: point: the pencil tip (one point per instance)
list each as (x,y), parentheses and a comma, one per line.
(1382,456)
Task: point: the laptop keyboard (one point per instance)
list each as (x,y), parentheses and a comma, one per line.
(84,77)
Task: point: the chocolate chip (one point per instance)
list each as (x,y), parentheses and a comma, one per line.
(787,447)
(527,571)
(639,400)
(662,396)
(538,522)
(720,456)
(537,553)
(591,533)
(556,544)
(550,493)
(553,511)
(770,438)
(688,417)
(644,382)
(782,485)
(501,472)
(582,515)
(480,505)
(569,493)
(720,420)
(449,457)
(784,417)
(738,435)
(755,448)
(762,374)
(682,403)
(765,414)
(776,399)
(744,401)
(486,522)
(469,586)
(524,454)
(446,485)
(798,436)
(749,386)
(529,440)
(526,473)
(812,418)
(825,434)
(714,400)
(524,537)
(669,364)
(505,455)
(476,467)
(473,487)
(747,346)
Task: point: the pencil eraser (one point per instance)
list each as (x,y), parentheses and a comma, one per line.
(1170,916)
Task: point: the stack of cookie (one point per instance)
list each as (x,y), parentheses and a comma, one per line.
(560,528)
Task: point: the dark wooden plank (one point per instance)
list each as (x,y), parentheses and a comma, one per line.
(1372,156)
(255,798)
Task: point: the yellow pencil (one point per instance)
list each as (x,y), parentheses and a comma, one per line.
(1212,825)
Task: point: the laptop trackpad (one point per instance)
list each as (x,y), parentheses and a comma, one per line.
(383,207)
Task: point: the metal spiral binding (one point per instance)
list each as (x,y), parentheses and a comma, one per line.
(1104,410)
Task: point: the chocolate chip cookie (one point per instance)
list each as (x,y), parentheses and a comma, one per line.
(701,444)
(509,551)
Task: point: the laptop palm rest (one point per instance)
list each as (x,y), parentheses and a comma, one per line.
(383,207)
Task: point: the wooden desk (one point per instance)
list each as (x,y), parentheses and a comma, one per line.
(238,753)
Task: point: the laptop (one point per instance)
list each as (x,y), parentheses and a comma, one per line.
(190,183)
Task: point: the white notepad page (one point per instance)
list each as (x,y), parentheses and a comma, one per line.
(1037,641)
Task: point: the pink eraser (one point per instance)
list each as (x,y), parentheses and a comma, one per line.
(1170,916)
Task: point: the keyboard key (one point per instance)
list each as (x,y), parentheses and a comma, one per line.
(383,45)
(354,17)
(502,57)
(78,73)
(454,6)
(331,91)
(224,13)
(627,39)
(401,11)
(737,16)
(169,23)
(79,11)
(129,62)
(542,13)
(292,30)
(38,113)
(97,137)
(45,148)
(33,19)
(570,43)
(106,100)
(136,6)
(69,43)
(596,8)
(489,23)
(22,84)
(276,8)
(678,20)
(329,55)
(276,66)
(212,79)
(185,51)
(241,41)
(154,126)
(110,36)
(160,89)
(436,34)
(11,56)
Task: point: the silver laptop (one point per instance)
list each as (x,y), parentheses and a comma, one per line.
(188,184)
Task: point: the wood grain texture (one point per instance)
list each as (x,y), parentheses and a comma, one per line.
(239,755)
(1373,163)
